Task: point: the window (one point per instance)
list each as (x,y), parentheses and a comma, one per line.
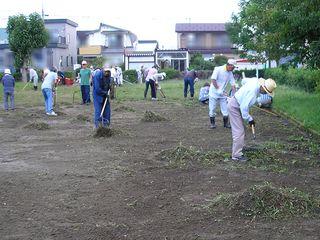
(71,60)
(67,61)
(60,62)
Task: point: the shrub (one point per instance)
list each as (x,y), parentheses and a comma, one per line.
(305,79)
(69,74)
(17,76)
(1,75)
(130,76)
(204,74)
(171,73)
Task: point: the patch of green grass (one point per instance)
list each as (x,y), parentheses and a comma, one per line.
(300,105)
(184,157)
(269,202)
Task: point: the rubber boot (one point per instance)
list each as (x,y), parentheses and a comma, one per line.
(226,122)
(212,122)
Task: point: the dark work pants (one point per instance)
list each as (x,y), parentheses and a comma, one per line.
(188,81)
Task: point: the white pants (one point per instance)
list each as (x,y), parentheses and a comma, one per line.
(35,81)
(213,104)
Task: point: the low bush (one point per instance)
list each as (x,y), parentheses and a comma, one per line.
(130,76)
(69,74)
(306,79)
(171,73)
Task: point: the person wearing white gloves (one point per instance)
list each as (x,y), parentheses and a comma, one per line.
(221,76)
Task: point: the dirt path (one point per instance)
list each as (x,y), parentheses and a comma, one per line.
(61,183)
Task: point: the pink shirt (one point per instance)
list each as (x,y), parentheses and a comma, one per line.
(151,72)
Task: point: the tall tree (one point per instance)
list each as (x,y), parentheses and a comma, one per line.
(278,28)
(26,33)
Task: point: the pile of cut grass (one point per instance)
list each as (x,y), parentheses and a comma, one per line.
(124,109)
(184,157)
(150,116)
(105,132)
(83,118)
(267,201)
(38,126)
(277,157)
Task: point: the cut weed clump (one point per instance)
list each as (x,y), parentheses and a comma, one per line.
(124,109)
(83,118)
(278,157)
(105,132)
(150,116)
(38,126)
(267,201)
(183,157)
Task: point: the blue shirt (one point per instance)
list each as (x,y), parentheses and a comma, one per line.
(8,83)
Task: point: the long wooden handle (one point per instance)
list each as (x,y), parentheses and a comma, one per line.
(253,131)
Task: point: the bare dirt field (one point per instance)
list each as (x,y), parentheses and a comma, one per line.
(59,182)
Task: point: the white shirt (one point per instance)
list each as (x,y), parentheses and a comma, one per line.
(245,80)
(246,97)
(49,80)
(33,73)
(222,77)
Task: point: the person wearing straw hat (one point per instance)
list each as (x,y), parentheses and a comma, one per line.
(101,87)
(8,89)
(221,76)
(238,107)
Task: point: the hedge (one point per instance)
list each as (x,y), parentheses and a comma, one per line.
(306,79)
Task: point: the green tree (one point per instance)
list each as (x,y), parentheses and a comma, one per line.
(26,33)
(197,62)
(272,29)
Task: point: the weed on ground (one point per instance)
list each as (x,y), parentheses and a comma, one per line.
(150,116)
(184,157)
(124,109)
(267,201)
(105,132)
(83,118)
(38,126)
(280,157)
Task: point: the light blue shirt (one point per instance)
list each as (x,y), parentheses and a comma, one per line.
(246,97)
(49,80)
(204,93)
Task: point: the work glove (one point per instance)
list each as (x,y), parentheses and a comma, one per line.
(252,123)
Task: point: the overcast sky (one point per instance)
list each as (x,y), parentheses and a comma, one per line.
(149,20)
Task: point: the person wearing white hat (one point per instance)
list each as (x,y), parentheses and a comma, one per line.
(8,89)
(85,80)
(221,76)
(238,108)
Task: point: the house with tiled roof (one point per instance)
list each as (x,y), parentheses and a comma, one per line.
(205,38)
(107,41)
